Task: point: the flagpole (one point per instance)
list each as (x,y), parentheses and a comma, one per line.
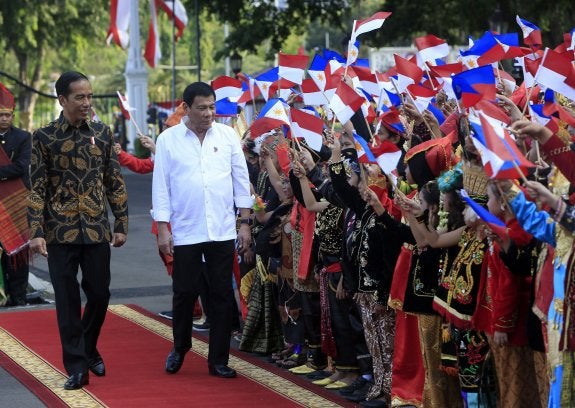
(530,91)
(136,76)
(422,117)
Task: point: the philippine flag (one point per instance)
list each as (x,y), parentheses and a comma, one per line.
(273,115)
(265,81)
(431,48)
(537,116)
(364,153)
(494,223)
(475,84)
(500,156)
(531,33)
(226,108)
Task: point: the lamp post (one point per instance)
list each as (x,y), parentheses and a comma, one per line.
(497,21)
(236,63)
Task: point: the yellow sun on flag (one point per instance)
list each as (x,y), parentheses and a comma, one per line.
(320,77)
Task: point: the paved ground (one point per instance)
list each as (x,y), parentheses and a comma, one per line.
(138,277)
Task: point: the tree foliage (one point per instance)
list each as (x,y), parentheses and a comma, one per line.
(455,20)
(30,28)
(254,22)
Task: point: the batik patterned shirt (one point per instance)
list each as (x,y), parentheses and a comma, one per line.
(74,171)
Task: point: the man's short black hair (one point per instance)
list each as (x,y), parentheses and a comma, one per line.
(63,83)
(197,89)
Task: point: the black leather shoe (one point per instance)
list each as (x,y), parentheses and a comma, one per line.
(174,361)
(222,370)
(77,381)
(96,365)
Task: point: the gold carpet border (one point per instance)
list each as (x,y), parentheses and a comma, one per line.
(44,372)
(274,382)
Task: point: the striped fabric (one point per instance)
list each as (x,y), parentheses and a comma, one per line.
(14,231)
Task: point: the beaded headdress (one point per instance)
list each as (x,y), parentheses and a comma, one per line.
(475,181)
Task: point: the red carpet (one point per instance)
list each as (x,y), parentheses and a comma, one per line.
(134,346)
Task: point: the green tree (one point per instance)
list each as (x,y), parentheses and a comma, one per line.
(30,28)
(255,22)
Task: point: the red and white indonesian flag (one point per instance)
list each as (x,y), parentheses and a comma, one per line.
(556,72)
(368,80)
(125,106)
(308,126)
(119,23)
(227,87)
(369,24)
(311,93)
(152,54)
(387,155)
(292,67)
(345,102)
(175,9)
(408,73)
(431,48)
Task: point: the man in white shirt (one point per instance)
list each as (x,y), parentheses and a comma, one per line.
(200,179)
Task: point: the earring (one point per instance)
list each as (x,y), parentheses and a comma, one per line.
(502,208)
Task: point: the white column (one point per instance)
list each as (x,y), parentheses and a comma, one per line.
(136,77)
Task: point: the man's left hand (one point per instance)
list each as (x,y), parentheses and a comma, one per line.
(118,239)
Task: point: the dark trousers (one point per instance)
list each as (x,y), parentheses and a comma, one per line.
(16,273)
(341,327)
(79,332)
(186,283)
(311,312)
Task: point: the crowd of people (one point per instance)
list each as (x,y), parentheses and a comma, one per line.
(392,288)
(434,285)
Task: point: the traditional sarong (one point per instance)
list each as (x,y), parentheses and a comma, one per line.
(516,376)
(440,389)
(14,231)
(262,330)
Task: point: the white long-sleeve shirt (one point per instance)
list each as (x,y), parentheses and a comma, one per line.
(196,185)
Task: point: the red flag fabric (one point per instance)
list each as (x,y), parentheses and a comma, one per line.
(557,72)
(152,54)
(124,105)
(119,23)
(227,87)
(345,102)
(308,126)
(292,67)
(175,9)
(369,24)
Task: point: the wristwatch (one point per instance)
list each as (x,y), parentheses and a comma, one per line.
(247,221)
